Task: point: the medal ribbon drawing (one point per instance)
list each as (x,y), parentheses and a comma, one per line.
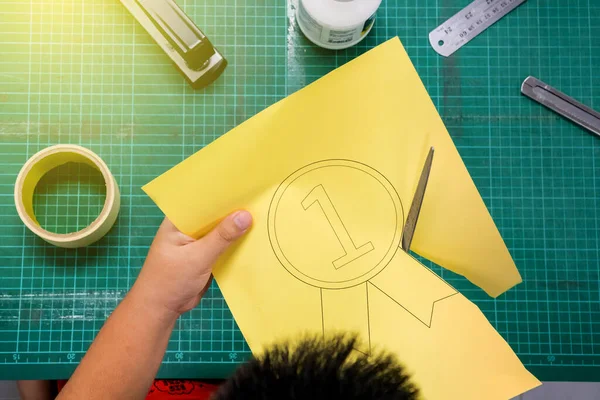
(351,243)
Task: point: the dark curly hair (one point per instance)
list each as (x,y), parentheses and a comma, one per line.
(319,369)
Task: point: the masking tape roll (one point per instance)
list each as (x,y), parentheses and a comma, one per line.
(336,24)
(44,161)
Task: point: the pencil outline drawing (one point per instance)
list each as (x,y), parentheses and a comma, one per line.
(352,251)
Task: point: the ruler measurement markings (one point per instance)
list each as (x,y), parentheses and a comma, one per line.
(468,23)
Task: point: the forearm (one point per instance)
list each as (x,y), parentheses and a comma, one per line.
(125,356)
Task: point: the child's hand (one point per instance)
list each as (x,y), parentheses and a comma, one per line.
(178,269)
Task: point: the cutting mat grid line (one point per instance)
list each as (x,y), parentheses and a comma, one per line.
(86,73)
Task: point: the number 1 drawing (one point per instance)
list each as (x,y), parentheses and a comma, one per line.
(319,195)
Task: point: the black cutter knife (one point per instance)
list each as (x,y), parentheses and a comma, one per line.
(562,104)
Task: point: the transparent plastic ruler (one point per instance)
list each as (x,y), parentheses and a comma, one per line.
(468,23)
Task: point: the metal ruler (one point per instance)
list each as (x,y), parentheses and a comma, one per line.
(468,23)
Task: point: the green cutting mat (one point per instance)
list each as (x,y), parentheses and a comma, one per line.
(84,72)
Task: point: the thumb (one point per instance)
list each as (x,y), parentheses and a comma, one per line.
(223,235)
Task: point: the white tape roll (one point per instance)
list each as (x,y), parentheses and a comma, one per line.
(44,161)
(336,24)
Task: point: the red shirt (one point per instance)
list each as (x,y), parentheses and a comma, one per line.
(180,389)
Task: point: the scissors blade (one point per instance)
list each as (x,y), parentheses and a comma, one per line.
(415,208)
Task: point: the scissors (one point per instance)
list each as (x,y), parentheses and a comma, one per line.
(415,208)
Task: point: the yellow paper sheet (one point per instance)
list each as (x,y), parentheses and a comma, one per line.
(329,174)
